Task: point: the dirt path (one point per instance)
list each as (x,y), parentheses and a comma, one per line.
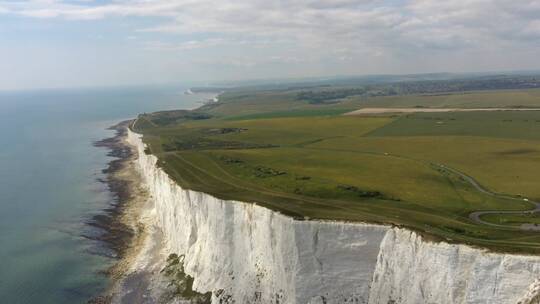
(431,110)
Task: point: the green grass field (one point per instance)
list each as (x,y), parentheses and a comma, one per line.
(311,162)
(479,99)
(513,220)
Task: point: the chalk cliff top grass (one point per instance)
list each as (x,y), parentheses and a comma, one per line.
(425,171)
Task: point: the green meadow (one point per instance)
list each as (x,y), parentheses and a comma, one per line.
(310,161)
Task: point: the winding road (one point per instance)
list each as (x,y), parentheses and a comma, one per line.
(477,215)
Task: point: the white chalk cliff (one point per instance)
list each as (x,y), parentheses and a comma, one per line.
(245,253)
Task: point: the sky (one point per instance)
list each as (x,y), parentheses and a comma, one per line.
(76,43)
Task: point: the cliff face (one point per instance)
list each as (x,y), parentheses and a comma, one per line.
(410,270)
(245,253)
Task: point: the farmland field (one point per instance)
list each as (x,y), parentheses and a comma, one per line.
(425,171)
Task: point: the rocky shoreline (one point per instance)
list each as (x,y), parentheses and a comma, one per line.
(120,221)
(117,234)
(130,230)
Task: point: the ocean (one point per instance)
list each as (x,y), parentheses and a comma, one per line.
(49,186)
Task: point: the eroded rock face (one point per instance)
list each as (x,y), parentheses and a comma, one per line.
(410,270)
(245,253)
(533,294)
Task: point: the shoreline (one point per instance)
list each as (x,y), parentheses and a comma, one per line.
(116,233)
(121,221)
(128,225)
(208,102)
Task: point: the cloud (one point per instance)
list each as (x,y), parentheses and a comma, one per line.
(228,15)
(184,46)
(325,35)
(416,23)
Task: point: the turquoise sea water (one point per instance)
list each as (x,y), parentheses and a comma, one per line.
(48,186)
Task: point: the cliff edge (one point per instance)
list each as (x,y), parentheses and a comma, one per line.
(244,253)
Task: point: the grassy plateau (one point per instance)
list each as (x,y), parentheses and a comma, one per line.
(309,161)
